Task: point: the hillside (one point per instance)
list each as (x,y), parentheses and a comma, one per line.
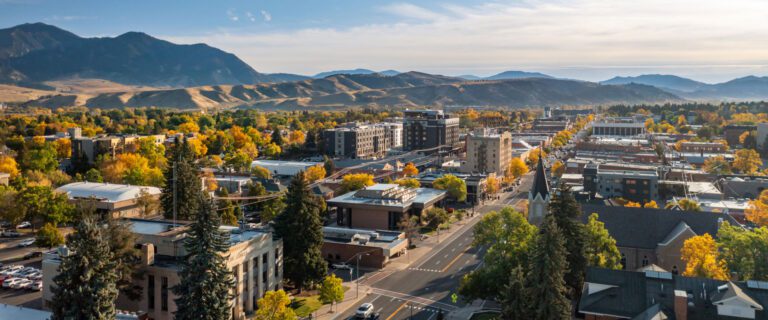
(746,88)
(663,81)
(406,89)
(35,53)
(517,75)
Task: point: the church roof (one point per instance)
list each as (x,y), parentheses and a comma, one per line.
(540,183)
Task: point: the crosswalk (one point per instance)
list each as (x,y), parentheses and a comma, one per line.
(425,270)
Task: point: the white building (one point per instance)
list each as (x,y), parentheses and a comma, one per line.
(119,200)
(283,168)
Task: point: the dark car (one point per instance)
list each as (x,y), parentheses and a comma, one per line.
(33,254)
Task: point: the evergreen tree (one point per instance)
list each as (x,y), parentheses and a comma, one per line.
(546,290)
(304,263)
(567,213)
(329,166)
(514,305)
(86,285)
(122,243)
(188,184)
(204,289)
(277,136)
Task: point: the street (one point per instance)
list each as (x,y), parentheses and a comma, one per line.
(424,289)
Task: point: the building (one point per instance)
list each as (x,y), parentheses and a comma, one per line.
(549,125)
(488,151)
(539,196)
(88,150)
(732,132)
(283,168)
(394,132)
(254,257)
(476,184)
(5,179)
(355,140)
(748,187)
(762,135)
(374,248)
(425,129)
(118,200)
(703,147)
(654,236)
(381,206)
(638,186)
(618,128)
(658,294)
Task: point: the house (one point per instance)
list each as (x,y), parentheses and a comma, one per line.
(118,200)
(616,294)
(381,206)
(654,236)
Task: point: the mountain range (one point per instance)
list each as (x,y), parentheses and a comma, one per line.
(42,65)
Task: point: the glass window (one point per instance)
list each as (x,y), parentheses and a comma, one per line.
(151,292)
(164,293)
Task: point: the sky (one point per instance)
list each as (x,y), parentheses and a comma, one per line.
(708,40)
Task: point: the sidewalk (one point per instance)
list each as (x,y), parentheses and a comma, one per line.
(324,313)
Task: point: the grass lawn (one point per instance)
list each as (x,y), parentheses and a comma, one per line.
(303,306)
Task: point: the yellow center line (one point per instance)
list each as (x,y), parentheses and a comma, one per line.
(454,259)
(396,311)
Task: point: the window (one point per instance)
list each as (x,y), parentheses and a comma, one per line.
(645,261)
(164,293)
(623,261)
(151,292)
(264,258)
(264,276)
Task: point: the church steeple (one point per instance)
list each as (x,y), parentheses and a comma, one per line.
(539,196)
(540,183)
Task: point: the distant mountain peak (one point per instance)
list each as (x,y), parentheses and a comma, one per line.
(514,74)
(664,81)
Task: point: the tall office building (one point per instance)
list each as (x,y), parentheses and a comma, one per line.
(425,129)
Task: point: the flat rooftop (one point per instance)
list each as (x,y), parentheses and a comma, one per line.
(423,196)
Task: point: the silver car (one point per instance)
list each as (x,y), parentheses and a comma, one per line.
(364,311)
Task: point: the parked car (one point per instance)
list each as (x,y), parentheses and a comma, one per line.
(10,234)
(10,281)
(375,316)
(24,224)
(26,243)
(364,311)
(341,266)
(21,283)
(33,254)
(36,286)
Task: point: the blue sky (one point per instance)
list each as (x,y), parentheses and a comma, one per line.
(709,40)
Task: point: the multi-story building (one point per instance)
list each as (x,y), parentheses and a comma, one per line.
(618,128)
(424,129)
(116,200)
(638,186)
(87,150)
(488,151)
(732,132)
(360,141)
(254,257)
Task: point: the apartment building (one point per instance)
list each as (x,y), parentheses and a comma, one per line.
(361,141)
(633,185)
(488,151)
(88,150)
(254,257)
(618,128)
(425,129)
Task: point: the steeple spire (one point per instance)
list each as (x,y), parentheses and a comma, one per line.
(540,183)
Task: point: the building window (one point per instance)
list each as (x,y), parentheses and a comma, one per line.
(164,293)
(264,276)
(264,258)
(674,269)
(151,292)
(645,261)
(623,261)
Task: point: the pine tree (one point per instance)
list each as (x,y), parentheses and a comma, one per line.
(85,287)
(277,136)
(122,243)
(204,289)
(304,263)
(514,305)
(328,165)
(187,183)
(567,213)
(546,290)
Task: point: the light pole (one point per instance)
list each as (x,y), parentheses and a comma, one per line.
(357,270)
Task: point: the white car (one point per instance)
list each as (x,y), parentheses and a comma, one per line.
(24,224)
(21,284)
(36,286)
(10,281)
(341,266)
(26,243)
(364,311)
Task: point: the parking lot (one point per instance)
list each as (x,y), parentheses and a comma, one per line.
(27,269)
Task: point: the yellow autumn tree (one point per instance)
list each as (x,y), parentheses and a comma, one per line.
(558,169)
(651,205)
(492,184)
(410,170)
(131,168)
(189,127)
(516,169)
(8,165)
(356,181)
(534,155)
(701,258)
(314,173)
(296,137)
(757,212)
(63,148)
(747,161)
(632,204)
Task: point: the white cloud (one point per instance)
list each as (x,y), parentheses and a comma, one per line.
(572,36)
(266,15)
(232,15)
(250,16)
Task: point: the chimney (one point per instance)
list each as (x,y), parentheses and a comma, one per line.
(147,254)
(681,305)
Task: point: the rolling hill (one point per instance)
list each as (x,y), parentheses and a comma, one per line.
(746,88)
(663,81)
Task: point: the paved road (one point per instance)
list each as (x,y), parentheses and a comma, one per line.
(425,288)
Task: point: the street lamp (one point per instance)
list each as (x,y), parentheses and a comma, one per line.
(357,270)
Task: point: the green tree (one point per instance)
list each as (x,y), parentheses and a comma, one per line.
(86,286)
(204,289)
(49,236)
(600,248)
(331,290)
(126,257)
(408,182)
(42,203)
(456,187)
(509,237)
(567,212)
(93,175)
(274,306)
(41,158)
(277,137)
(187,184)
(545,285)
(10,209)
(744,251)
(304,265)
(514,305)
(436,217)
(329,166)
(229,212)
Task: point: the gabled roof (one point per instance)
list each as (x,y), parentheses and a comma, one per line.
(734,292)
(540,183)
(646,228)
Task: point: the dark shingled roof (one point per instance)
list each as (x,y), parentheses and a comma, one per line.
(646,228)
(540,183)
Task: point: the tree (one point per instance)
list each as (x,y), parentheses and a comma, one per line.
(717,165)
(10,210)
(297,137)
(558,169)
(514,305)
(356,181)
(509,237)
(41,158)
(567,214)
(747,161)
(274,306)
(86,286)
(63,148)
(127,258)
(408,182)
(277,137)
(328,165)
(49,236)
(410,170)
(456,187)
(651,205)
(410,226)
(238,161)
(517,168)
(8,165)
(545,285)
(684,204)
(42,203)
(304,265)
(186,186)
(227,209)
(204,288)
(93,175)
(757,211)
(492,185)
(147,202)
(700,256)
(599,247)
(131,168)
(315,173)
(632,204)
(261,172)
(272,150)
(331,290)
(534,155)
(436,217)
(744,251)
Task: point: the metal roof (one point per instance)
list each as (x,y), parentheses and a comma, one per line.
(106,192)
